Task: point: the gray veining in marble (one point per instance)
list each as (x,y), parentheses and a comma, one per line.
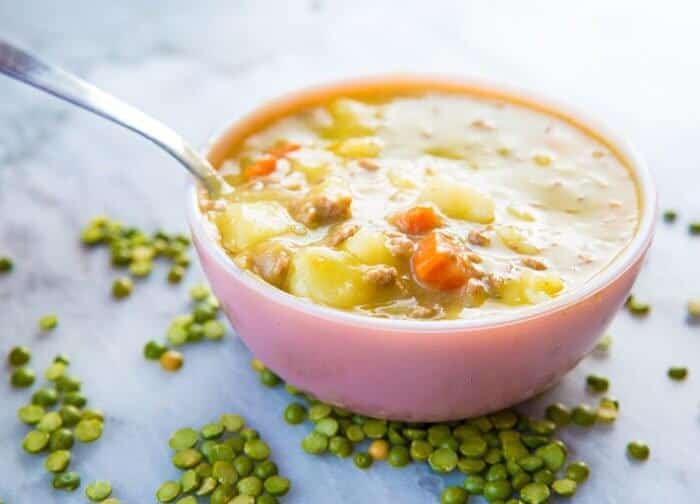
(196,65)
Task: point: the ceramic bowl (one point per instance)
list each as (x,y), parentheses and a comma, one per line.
(420,370)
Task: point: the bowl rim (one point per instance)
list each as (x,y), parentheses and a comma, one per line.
(614,270)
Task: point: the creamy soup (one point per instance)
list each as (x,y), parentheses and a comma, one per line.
(431,205)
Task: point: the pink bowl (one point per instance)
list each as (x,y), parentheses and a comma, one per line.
(419,370)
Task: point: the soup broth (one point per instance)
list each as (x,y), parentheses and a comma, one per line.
(429,205)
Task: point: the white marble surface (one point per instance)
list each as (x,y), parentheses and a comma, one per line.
(196,65)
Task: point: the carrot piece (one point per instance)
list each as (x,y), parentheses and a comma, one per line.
(437,263)
(282,150)
(260,168)
(417,220)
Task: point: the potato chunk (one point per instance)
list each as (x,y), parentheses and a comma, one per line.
(330,277)
(457,200)
(244,224)
(357,148)
(350,118)
(528,288)
(369,247)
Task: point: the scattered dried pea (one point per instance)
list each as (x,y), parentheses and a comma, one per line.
(474,484)
(678,373)
(132,248)
(46,397)
(208,486)
(559,414)
(670,216)
(535,493)
(62,358)
(192,327)
(295,413)
(187,458)
(48,322)
(238,461)
(454,495)
(19,356)
(66,481)
(190,480)
(257,365)
(276,486)
(564,487)
(55,371)
(66,384)
(122,287)
(22,377)
(88,430)
(363,460)
(378,449)
(597,384)
(315,443)
(694,308)
(212,430)
(35,441)
(443,460)
(583,415)
(268,378)
(75,399)
(153,350)
(171,360)
(141,268)
(638,450)
(637,308)
(6,265)
(31,413)
(553,455)
(577,471)
(57,461)
(214,330)
(607,410)
(199,292)
(98,491)
(176,274)
(168,491)
(398,456)
(232,423)
(61,439)
(183,439)
(50,422)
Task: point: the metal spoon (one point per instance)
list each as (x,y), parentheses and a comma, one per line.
(24,67)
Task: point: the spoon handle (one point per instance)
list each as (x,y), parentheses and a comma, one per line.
(26,68)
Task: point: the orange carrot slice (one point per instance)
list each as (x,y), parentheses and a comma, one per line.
(282,150)
(260,168)
(417,220)
(437,263)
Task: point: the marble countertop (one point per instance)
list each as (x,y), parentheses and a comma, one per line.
(197,65)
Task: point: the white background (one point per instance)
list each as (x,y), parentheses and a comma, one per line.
(197,65)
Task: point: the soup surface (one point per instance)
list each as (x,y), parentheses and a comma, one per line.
(425,206)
